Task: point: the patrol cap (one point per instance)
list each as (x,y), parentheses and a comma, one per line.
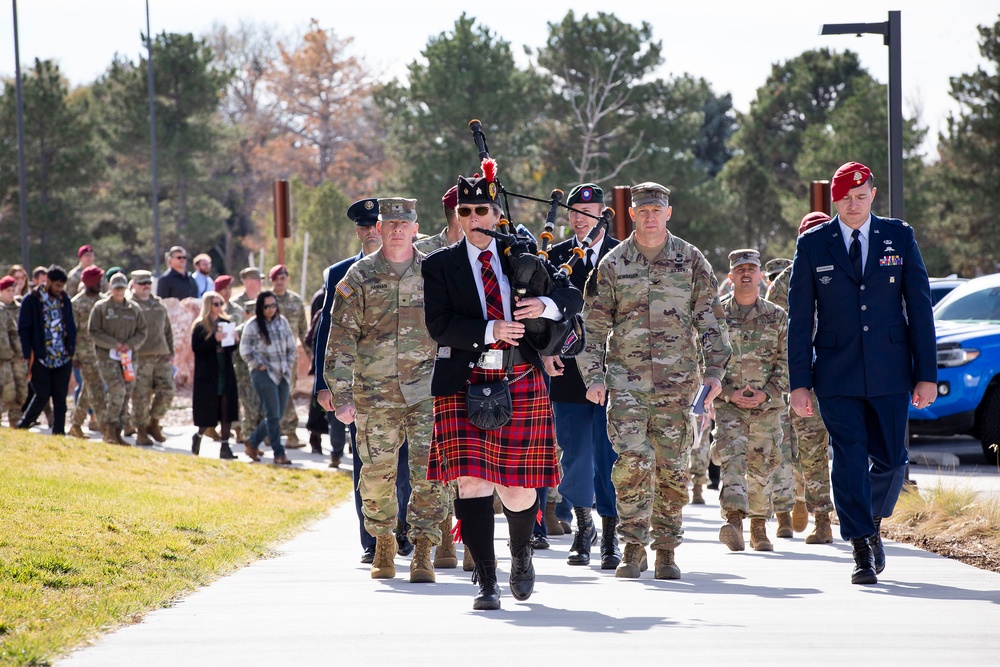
(118,280)
(777,265)
(397,208)
(364,212)
(743,256)
(91,276)
(222,282)
(142,277)
(250,272)
(649,193)
(586,193)
(849,175)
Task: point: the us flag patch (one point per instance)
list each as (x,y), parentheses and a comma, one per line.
(344,290)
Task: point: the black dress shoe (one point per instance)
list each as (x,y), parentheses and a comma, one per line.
(489,589)
(368,557)
(586,536)
(539,542)
(878,551)
(864,562)
(611,555)
(522,574)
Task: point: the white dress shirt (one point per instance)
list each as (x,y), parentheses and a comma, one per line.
(865,230)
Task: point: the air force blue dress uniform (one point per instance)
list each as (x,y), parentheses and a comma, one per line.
(874,340)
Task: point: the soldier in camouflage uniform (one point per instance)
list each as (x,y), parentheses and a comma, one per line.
(251,279)
(698,466)
(10,352)
(747,412)
(654,311)
(251,410)
(292,306)
(116,325)
(452,233)
(811,439)
(378,365)
(154,373)
(85,358)
(12,308)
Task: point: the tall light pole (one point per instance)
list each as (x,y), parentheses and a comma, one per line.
(890,31)
(22,174)
(152,143)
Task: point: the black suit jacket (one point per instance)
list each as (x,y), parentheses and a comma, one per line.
(569,387)
(454,317)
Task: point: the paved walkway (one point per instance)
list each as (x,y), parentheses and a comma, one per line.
(315,604)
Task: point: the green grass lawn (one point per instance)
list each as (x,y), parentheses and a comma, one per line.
(93,536)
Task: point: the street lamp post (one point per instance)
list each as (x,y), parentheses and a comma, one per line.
(152,142)
(22,174)
(890,31)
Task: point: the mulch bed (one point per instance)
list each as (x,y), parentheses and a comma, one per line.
(978,552)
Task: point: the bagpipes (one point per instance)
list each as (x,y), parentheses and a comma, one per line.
(529,269)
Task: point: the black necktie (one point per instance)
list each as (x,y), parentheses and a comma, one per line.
(589,264)
(855,253)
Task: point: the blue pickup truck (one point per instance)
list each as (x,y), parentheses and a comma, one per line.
(968,351)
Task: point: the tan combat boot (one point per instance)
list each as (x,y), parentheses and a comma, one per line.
(76,432)
(153,429)
(421,568)
(468,564)
(142,438)
(110,434)
(383,566)
(731,533)
(117,430)
(784,525)
(129,429)
(445,556)
(758,536)
(633,562)
(552,525)
(94,424)
(822,533)
(292,442)
(665,567)
(800,517)
(697,498)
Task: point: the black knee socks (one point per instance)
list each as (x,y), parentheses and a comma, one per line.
(521,525)
(476,515)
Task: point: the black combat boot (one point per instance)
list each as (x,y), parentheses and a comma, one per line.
(485,575)
(586,536)
(611,555)
(878,551)
(864,562)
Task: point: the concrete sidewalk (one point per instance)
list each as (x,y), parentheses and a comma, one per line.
(315,604)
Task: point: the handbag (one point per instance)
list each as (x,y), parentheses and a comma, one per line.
(488,405)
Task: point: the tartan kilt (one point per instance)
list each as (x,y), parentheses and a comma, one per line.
(522,453)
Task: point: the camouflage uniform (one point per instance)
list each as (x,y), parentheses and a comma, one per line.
(380,357)
(291,305)
(654,320)
(251,410)
(748,439)
(10,356)
(110,324)
(154,373)
(811,439)
(20,370)
(432,243)
(92,394)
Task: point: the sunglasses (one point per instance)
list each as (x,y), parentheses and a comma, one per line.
(180,256)
(217,304)
(481,211)
(144,283)
(270,306)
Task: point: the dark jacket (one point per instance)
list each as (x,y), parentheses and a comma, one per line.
(454,316)
(31,325)
(173,285)
(873,337)
(569,387)
(205,391)
(333,276)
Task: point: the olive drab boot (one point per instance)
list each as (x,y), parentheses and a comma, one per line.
(784,525)
(75,432)
(153,430)
(822,533)
(800,517)
(109,434)
(666,567)
(445,556)
(142,437)
(468,564)
(731,533)
(117,430)
(633,562)
(697,497)
(552,525)
(758,535)
(421,568)
(383,566)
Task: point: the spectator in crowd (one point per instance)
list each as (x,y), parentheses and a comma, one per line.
(39,276)
(86,256)
(10,353)
(20,276)
(202,274)
(176,283)
(48,338)
(268,347)
(90,394)
(294,310)
(214,396)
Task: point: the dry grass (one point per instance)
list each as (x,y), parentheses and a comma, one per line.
(94,536)
(954,521)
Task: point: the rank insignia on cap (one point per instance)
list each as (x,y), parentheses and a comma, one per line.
(479,191)
(493,190)
(586,194)
(344,290)
(857,177)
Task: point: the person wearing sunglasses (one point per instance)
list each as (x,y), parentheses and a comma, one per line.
(268,347)
(293,308)
(214,396)
(175,283)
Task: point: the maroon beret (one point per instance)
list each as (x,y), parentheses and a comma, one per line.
(222,282)
(7,281)
(84,249)
(850,175)
(811,220)
(450,198)
(91,276)
(276,269)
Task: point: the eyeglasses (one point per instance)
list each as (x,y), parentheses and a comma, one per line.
(145,282)
(217,304)
(180,256)
(481,211)
(270,306)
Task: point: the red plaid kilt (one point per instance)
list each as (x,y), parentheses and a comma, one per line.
(522,453)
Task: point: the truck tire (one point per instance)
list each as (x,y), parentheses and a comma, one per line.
(989,429)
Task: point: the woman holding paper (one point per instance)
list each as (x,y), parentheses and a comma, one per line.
(214,396)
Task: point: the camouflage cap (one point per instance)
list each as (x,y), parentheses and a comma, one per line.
(251,272)
(650,193)
(777,265)
(397,208)
(142,277)
(743,256)
(250,305)
(118,280)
